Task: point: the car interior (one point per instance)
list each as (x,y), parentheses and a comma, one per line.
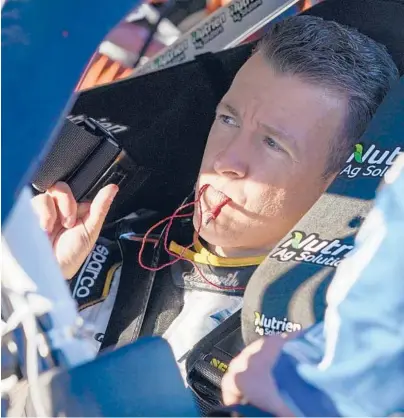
(162,124)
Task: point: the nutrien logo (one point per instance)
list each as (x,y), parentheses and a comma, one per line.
(208,31)
(371,162)
(270,326)
(241,8)
(312,249)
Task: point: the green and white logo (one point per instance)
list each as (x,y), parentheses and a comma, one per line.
(370,162)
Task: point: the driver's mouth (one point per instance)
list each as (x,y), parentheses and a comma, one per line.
(218,201)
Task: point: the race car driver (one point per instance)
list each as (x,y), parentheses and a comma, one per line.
(281,134)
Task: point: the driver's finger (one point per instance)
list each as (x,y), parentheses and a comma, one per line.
(65,202)
(99,209)
(83,209)
(231,393)
(45,208)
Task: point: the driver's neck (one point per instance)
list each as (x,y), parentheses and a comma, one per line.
(237,252)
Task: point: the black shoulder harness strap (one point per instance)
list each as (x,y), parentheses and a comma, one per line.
(133,294)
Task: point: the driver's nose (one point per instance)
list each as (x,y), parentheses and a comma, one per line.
(230,163)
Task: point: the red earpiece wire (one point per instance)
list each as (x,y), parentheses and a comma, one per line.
(214,214)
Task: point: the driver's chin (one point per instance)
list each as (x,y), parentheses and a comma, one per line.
(214,233)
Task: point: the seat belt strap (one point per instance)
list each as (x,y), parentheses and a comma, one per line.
(135,286)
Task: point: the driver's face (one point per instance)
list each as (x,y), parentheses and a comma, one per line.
(267,150)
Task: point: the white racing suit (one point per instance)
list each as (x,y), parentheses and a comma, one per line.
(200,306)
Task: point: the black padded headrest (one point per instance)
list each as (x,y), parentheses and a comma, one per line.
(286,293)
(163,119)
(381,20)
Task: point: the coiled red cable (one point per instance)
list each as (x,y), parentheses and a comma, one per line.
(212,215)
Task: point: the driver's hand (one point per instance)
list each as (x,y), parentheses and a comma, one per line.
(249,377)
(72,227)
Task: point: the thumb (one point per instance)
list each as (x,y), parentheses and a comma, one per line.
(99,209)
(231,393)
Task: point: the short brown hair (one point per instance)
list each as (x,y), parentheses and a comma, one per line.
(340,58)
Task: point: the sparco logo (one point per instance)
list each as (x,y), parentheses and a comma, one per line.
(312,249)
(108,126)
(210,30)
(174,55)
(241,8)
(373,163)
(90,271)
(230,280)
(270,326)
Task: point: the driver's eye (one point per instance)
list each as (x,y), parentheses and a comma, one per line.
(227,120)
(271,143)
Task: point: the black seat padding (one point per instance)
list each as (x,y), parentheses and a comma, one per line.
(293,292)
(381,20)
